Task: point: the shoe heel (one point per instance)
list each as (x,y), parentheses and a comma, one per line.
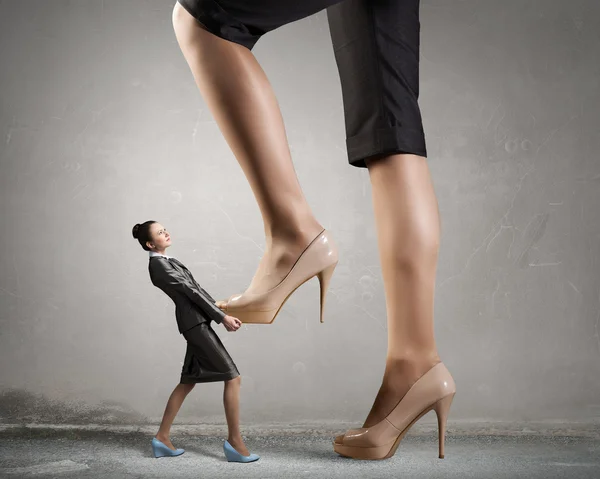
(324,279)
(441,409)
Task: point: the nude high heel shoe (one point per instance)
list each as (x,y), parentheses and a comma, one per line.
(433,391)
(318,259)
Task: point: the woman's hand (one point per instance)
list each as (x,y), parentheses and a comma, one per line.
(231,323)
(221,305)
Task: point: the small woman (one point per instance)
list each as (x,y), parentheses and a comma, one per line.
(206,359)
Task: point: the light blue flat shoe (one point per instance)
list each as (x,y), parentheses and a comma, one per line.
(161,450)
(233,456)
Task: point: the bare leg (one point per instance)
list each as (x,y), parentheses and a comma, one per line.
(241,99)
(243,104)
(407,219)
(231,401)
(173,405)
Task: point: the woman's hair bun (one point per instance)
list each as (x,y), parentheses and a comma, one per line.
(141,232)
(135,230)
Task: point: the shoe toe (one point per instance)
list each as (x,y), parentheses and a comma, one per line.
(339,439)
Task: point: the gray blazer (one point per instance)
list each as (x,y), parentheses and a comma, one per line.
(193,305)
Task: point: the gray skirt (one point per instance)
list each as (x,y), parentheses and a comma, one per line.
(206,359)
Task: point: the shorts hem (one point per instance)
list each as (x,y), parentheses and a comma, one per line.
(214,19)
(383,142)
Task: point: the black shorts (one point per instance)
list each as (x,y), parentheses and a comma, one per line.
(376,47)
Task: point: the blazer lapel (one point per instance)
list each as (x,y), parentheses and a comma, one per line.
(173,260)
(191,277)
(181,265)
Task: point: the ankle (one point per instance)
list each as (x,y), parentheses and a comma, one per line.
(411,365)
(162,437)
(300,232)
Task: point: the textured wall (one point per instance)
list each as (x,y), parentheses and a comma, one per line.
(102,127)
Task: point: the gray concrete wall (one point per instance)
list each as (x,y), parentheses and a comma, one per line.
(102,127)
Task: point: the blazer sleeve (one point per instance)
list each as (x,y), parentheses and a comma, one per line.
(171,278)
(205,293)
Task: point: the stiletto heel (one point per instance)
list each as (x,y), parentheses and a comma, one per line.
(441,409)
(324,278)
(434,390)
(318,259)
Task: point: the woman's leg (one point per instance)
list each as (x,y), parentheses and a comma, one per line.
(241,99)
(173,405)
(231,401)
(407,220)
(377,49)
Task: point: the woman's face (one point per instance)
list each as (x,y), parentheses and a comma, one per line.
(160,239)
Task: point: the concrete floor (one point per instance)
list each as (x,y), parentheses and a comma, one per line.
(107,456)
